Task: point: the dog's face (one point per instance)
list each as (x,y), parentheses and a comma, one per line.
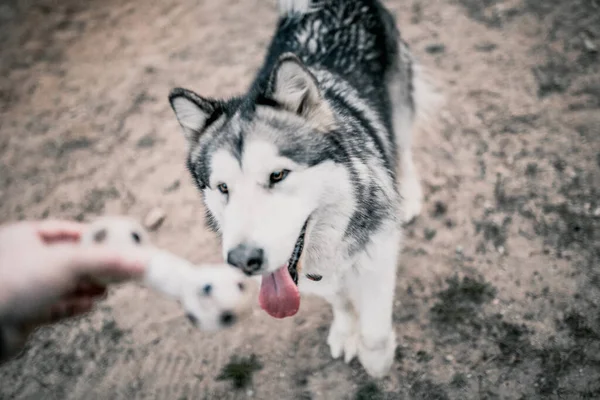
(216,297)
(116,232)
(261,203)
(263,167)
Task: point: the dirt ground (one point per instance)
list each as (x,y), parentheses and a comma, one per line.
(499,284)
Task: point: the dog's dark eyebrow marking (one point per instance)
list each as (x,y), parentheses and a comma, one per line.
(238,147)
(314,277)
(100,236)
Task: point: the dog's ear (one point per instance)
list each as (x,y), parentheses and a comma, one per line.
(295,88)
(194,113)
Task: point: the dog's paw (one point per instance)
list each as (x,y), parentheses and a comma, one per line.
(336,340)
(377,356)
(351,347)
(343,339)
(412,198)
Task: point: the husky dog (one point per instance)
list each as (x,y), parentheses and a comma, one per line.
(299,174)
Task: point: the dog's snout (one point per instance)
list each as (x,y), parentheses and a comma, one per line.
(247,258)
(227,318)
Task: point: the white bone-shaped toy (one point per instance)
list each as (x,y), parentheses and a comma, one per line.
(212,296)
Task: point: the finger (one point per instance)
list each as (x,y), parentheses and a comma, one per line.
(102,262)
(68,309)
(52,231)
(87,289)
(59,311)
(85,294)
(80,299)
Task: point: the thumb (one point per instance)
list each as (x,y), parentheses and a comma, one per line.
(103,262)
(52,231)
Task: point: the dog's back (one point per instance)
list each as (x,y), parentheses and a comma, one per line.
(356,42)
(355,39)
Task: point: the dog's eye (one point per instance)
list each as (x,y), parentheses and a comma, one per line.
(207,289)
(223,188)
(136,237)
(278,176)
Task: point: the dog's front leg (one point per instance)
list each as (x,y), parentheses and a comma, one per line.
(371,290)
(343,334)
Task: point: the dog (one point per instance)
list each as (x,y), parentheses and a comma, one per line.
(213,297)
(299,175)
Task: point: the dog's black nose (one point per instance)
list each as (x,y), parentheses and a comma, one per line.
(227,318)
(248,259)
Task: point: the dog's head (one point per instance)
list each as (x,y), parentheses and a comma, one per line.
(264,164)
(216,297)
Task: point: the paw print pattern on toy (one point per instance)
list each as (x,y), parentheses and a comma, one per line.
(212,296)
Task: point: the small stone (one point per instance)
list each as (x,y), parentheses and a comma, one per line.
(250,393)
(459,249)
(435,48)
(146,141)
(449,358)
(469,376)
(154,219)
(590,46)
(501,249)
(547,249)
(597,212)
(496,302)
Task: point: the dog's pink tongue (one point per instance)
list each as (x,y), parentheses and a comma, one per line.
(279,295)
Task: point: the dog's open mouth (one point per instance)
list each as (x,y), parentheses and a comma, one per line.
(295,257)
(279,295)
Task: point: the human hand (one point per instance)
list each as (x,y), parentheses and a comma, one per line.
(44,273)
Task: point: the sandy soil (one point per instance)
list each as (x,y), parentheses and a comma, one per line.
(499,285)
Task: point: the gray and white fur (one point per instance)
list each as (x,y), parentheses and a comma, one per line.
(332,111)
